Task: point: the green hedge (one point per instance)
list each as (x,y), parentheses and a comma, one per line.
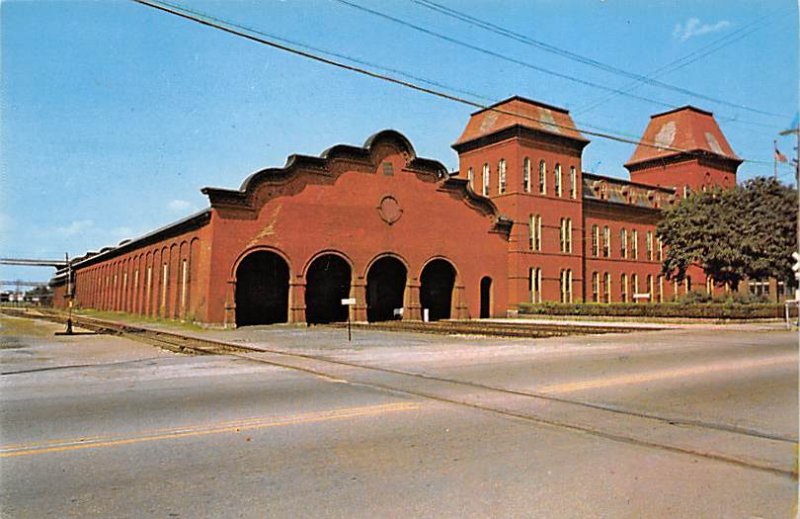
(697,310)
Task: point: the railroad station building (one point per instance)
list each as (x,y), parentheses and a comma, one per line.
(397,236)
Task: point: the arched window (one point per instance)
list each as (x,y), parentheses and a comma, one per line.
(635,244)
(623,243)
(501,176)
(635,284)
(471,179)
(595,287)
(649,245)
(650,287)
(607,295)
(526,175)
(485,180)
(542,178)
(566,235)
(535,232)
(606,242)
(557,179)
(595,240)
(573,183)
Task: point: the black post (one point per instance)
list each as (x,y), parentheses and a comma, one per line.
(69,296)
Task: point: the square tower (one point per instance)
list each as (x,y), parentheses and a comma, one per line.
(526,157)
(686,150)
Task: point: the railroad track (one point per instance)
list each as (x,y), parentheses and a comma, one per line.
(496,329)
(627,426)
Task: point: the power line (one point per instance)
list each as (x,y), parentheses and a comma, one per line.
(690,58)
(503,57)
(216,23)
(574,56)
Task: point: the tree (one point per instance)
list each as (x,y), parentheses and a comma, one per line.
(768,216)
(744,232)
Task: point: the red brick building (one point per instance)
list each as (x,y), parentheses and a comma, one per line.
(520,222)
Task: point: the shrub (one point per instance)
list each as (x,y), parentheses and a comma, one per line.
(727,310)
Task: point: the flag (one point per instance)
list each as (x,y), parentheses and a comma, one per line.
(780,157)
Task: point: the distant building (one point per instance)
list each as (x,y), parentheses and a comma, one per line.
(520,222)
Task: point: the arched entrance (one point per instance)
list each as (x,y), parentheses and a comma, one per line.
(262,289)
(327,283)
(436,290)
(486,297)
(386,284)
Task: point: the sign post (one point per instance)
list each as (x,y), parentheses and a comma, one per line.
(349,302)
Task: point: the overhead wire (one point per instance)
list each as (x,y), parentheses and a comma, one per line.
(705,50)
(259,37)
(500,56)
(521,38)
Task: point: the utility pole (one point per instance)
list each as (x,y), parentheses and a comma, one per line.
(796,132)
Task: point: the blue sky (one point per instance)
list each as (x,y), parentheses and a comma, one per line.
(115,115)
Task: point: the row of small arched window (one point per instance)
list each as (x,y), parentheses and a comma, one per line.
(527,180)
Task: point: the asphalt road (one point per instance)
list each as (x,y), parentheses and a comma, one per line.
(679,423)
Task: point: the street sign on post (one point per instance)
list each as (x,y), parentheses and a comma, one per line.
(350,301)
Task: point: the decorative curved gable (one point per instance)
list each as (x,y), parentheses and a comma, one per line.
(302,170)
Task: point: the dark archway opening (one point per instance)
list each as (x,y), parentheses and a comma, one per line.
(436,290)
(386,285)
(486,297)
(327,283)
(262,289)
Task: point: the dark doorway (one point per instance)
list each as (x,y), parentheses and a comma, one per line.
(327,283)
(262,289)
(386,285)
(486,297)
(436,292)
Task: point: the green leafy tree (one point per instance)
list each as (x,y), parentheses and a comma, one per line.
(768,219)
(744,232)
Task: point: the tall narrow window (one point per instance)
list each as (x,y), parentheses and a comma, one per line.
(164,283)
(486,180)
(562,235)
(607,287)
(623,285)
(623,243)
(569,285)
(635,244)
(660,250)
(650,287)
(532,232)
(535,232)
(660,297)
(471,178)
(535,283)
(687,284)
(542,178)
(635,284)
(649,245)
(566,286)
(184,281)
(149,287)
(568,236)
(595,287)
(606,242)
(501,176)
(526,175)
(573,183)
(557,179)
(595,240)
